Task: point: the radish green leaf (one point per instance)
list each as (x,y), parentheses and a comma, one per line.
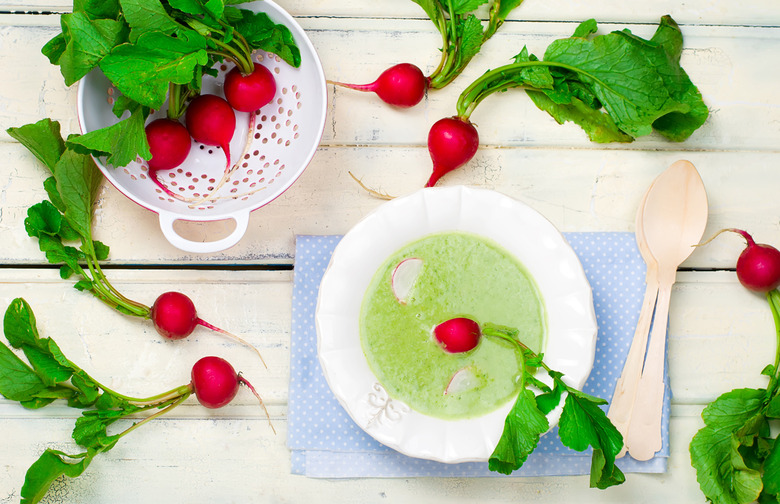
(157,50)
(583,423)
(51,465)
(523,427)
(84,44)
(121,142)
(43,139)
(616,87)
(735,454)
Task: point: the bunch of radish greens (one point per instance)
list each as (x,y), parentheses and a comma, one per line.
(582,424)
(617,87)
(48,375)
(737,453)
(462,35)
(65,219)
(156,52)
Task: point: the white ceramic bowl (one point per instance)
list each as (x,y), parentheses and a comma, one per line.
(570,341)
(285,136)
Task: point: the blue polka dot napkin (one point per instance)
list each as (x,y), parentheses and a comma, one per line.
(326,443)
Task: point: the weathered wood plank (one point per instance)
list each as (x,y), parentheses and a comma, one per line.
(763,13)
(578,190)
(239,460)
(128,353)
(727,64)
(714,323)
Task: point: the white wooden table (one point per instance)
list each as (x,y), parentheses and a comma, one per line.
(721,336)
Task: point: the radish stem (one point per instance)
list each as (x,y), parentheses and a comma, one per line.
(163,411)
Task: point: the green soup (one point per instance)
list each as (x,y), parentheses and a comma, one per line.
(461,275)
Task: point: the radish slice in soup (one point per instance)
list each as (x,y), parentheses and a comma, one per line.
(404,277)
(464,379)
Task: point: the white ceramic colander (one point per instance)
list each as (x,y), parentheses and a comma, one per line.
(269,151)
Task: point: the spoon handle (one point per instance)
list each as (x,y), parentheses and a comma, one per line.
(625,389)
(644,430)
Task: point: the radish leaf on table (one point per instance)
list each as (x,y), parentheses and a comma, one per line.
(617,87)
(583,423)
(733,420)
(43,139)
(462,34)
(50,376)
(634,85)
(67,217)
(736,456)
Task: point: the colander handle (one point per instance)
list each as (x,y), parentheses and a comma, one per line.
(166,224)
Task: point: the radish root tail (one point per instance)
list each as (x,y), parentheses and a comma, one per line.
(372,192)
(232,168)
(732,230)
(205,324)
(244,381)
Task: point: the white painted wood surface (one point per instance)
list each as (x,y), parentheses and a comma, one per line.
(720,336)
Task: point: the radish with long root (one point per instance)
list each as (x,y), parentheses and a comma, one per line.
(213,380)
(212,121)
(70,219)
(462,35)
(174,316)
(758,266)
(402,85)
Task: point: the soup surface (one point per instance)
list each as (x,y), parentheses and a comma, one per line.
(461,275)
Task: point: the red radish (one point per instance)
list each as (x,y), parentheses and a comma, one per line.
(464,379)
(169,143)
(404,277)
(215,383)
(452,142)
(457,335)
(248,93)
(211,121)
(758,266)
(402,85)
(174,316)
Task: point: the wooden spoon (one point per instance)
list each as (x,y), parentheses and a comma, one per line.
(625,389)
(674,219)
